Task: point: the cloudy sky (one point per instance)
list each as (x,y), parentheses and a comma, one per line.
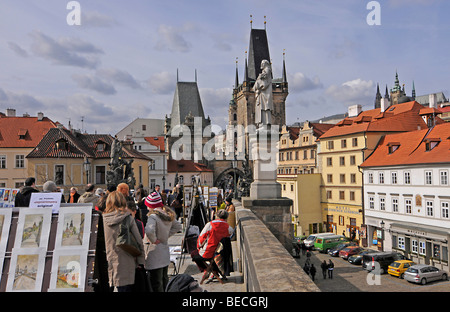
(121,62)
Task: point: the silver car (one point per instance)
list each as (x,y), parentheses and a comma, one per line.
(423,273)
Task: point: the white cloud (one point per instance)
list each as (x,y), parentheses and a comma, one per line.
(94,83)
(17,49)
(65,51)
(162,83)
(171,38)
(119,76)
(352,92)
(299,82)
(96,19)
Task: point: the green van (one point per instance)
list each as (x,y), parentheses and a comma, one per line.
(323,244)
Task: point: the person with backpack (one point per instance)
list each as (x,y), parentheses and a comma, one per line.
(24,195)
(324,267)
(312,270)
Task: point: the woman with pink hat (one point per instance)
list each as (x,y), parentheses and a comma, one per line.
(161,224)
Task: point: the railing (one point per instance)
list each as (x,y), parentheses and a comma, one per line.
(265,264)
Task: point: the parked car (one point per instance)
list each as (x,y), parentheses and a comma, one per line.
(398,268)
(323,244)
(309,241)
(357,259)
(381,260)
(334,252)
(423,273)
(349,251)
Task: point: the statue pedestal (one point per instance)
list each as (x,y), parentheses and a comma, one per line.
(265,152)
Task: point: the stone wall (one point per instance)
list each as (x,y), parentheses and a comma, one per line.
(265,263)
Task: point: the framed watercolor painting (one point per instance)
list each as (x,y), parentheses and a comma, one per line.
(74,228)
(5,224)
(68,271)
(33,228)
(26,270)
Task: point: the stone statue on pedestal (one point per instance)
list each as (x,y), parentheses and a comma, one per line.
(264,97)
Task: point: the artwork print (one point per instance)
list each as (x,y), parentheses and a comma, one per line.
(73,227)
(5,224)
(68,271)
(33,228)
(26,270)
(32,231)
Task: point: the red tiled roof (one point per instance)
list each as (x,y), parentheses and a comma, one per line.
(412,148)
(396,118)
(78,146)
(445,109)
(156,141)
(32,131)
(186,166)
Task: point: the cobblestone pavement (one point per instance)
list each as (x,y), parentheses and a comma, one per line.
(234,283)
(352,278)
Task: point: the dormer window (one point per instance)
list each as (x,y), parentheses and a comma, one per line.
(61,144)
(392,147)
(100,147)
(431,143)
(22,134)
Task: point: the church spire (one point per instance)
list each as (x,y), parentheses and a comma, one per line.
(413,91)
(246,69)
(236,82)
(284,67)
(378,97)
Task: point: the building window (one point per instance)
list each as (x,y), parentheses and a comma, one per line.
(20,161)
(370,178)
(355,142)
(408,206)
(371,202)
(144,127)
(353,178)
(329,194)
(394,177)
(342,178)
(444,209)
(329,161)
(407,177)
(382,203)
(292,187)
(415,246)
(344,143)
(181,179)
(100,174)
(329,178)
(352,160)
(296,155)
(436,251)
(341,220)
(330,144)
(152,184)
(342,161)
(394,204)
(401,243)
(429,208)
(352,195)
(342,195)
(444,177)
(2,161)
(152,165)
(428,178)
(313,154)
(381,178)
(422,248)
(59,174)
(305,154)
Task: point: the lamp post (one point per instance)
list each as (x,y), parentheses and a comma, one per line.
(382,234)
(87,168)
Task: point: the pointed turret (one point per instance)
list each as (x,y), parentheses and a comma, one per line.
(284,69)
(236,81)
(413,91)
(378,97)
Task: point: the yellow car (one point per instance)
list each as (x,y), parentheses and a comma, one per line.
(398,268)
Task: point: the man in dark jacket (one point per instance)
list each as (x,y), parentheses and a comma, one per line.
(24,195)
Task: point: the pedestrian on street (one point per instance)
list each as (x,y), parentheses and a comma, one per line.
(24,195)
(330,269)
(312,270)
(161,224)
(121,265)
(324,267)
(306,268)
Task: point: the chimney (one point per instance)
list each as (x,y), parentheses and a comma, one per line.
(433,100)
(10,112)
(384,104)
(354,110)
(40,116)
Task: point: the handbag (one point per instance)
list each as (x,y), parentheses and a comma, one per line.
(126,240)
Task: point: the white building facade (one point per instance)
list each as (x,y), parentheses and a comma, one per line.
(407,207)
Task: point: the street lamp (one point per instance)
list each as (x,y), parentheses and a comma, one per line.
(87,168)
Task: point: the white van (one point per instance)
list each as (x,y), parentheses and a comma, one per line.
(309,241)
